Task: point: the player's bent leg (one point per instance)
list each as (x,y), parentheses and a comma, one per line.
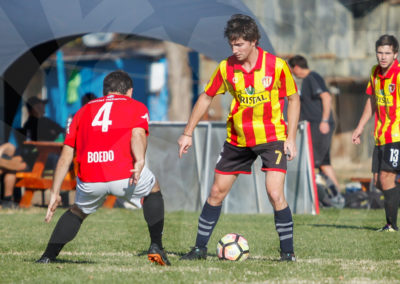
(282,214)
(210,215)
(153,212)
(65,231)
(274,182)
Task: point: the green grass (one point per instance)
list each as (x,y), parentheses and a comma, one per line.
(337,246)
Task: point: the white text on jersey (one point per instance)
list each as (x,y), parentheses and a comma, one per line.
(100,156)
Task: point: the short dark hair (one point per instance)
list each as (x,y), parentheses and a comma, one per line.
(387,40)
(299,61)
(242,26)
(117,81)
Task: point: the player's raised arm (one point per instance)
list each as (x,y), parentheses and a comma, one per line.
(63,164)
(199,109)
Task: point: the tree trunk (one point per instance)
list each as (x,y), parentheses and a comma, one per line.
(179,82)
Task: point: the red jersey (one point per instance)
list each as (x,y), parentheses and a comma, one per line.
(256,112)
(101,134)
(386,90)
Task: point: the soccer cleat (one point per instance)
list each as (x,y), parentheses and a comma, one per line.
(44,259)
(157,255)
(195,253)
(387,228)
(287,256)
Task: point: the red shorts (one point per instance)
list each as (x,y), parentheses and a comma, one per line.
(238,160)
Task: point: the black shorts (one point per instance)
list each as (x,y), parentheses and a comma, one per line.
(238,160)
(321,144)
(386,158)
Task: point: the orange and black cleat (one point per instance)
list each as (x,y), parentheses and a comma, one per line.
(157,255)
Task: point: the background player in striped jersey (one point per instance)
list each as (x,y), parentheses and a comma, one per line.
(109,136)
(259,83)
(383,92)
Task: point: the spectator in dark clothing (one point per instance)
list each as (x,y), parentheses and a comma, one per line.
(36,128)
(316,109)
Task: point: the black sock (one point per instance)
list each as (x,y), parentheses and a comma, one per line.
(208,219)
(7,198)
(392,197)
(65,231)
(153,211)
(284,227)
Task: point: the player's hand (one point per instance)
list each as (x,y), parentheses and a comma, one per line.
(139,165)
(324,127)
(184,142)
(355,137)
(55,200)
(290,149)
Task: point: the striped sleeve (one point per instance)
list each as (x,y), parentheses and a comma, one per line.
(287,86)
(370,90)
(216,85)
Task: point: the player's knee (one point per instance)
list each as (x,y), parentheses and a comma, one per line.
(386,180)
(78,212)
(216,196)
(276,197)
(156,187)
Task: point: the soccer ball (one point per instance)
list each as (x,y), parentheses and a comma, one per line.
(233,247)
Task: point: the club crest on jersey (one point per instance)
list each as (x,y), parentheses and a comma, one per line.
(249,90)
(235,80)
(392,87)
(266,81)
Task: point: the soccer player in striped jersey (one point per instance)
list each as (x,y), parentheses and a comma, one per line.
(383,92)
(109,138)
(259,83)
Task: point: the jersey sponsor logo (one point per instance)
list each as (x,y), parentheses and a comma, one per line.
(392,87)
(100,156)
(254,99)
(250,90)
(382,100)
(266,81)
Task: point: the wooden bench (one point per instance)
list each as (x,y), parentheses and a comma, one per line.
(38,180)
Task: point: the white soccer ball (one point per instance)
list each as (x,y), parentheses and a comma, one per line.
(233,247)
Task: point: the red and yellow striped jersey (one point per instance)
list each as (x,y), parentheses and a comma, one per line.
(387,99)
(256,111)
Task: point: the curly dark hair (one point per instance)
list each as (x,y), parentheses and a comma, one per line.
(242,26)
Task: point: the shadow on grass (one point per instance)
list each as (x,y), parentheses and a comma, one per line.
(343,227)
(250,258)
(142,253)
(62,261)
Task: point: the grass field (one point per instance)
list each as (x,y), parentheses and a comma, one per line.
(337,246)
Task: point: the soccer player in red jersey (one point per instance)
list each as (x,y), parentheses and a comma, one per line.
(383,92)
(259,82)
(109,138)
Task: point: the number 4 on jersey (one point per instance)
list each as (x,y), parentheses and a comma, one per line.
(105,112)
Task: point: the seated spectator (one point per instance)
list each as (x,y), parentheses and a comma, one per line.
(36,128)
(9,164)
